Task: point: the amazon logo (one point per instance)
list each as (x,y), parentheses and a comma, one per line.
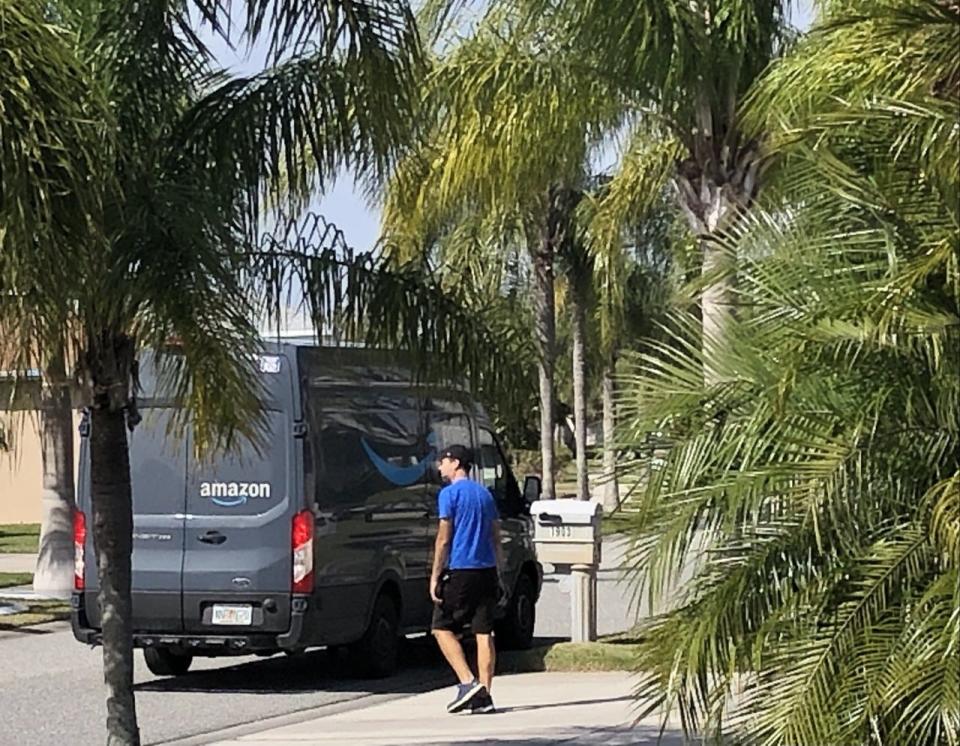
(232,494)
(402,476)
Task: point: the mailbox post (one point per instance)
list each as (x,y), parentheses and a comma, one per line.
(567,532)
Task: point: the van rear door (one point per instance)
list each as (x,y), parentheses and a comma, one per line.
(237,562)
(158,466)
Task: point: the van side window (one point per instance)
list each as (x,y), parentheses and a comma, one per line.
(370,456)
(495,474)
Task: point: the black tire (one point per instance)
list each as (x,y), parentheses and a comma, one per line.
(164,662)
(515,630)
(376,654)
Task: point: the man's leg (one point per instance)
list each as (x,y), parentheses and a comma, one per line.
(483,618)
(453,651)
(486,659)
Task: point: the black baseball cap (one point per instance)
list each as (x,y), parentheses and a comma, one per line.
(460,453)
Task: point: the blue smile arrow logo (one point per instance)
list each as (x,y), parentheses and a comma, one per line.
(401,476)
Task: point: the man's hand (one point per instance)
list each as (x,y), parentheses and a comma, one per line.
(441,550)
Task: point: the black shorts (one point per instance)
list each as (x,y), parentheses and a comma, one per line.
(469,597)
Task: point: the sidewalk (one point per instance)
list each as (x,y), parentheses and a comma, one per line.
(536,709)
(18,562)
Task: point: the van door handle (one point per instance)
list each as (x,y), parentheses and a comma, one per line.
(212,537)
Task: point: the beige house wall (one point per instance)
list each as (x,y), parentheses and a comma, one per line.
(21,473)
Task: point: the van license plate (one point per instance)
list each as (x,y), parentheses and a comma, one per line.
(232,614)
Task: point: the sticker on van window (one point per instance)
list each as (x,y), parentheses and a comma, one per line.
(270,363)
(232,494)
(402,476)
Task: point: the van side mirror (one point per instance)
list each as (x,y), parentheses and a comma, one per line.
(531,489)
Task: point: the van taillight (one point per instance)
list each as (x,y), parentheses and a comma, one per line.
(79,546)
(303,552)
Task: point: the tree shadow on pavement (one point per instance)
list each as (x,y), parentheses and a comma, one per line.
(333,670)
(547,705)
(641,735)
(314,671)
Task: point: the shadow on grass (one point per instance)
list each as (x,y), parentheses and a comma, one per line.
(19,538)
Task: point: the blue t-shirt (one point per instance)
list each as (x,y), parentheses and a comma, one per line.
(472,510)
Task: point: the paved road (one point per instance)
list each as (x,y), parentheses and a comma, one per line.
(51,685)
(51,690)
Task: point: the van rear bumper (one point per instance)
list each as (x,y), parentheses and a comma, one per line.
(200,642)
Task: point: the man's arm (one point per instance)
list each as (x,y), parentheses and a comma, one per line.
(441,550)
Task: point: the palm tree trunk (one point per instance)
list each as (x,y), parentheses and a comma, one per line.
(546,333)
(578,307)
(113,541)
(611,486)
(717,306)
(54,573)
(709,208)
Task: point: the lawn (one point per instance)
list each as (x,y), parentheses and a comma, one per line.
(610,653)
(19,538)
(10,579)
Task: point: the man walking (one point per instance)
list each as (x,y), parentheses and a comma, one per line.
(465,579)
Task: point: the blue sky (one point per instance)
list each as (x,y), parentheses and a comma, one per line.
(344,205)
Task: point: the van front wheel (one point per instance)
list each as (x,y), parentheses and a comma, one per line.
(515,631)
(164,662)
(376,653)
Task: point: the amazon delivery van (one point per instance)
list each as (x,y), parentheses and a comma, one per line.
(322,535)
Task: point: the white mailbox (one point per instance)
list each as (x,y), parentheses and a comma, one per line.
(567,532)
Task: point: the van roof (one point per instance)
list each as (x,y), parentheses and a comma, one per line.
(306,338)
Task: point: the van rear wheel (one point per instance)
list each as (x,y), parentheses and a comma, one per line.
(165,662)
(377,652)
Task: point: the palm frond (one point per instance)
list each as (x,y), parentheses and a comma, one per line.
(831,443)
(365,28)
(296,124)
(364,297)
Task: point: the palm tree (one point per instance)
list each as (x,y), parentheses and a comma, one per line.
(509,126)
(681,68)
(578,268)
(817,492)
(131,183)
(55,558)
(48,161)
(634,287)
(482,262)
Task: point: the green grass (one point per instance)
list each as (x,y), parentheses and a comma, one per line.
(615,653)
(19,538)
(10,579)
(38,612)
